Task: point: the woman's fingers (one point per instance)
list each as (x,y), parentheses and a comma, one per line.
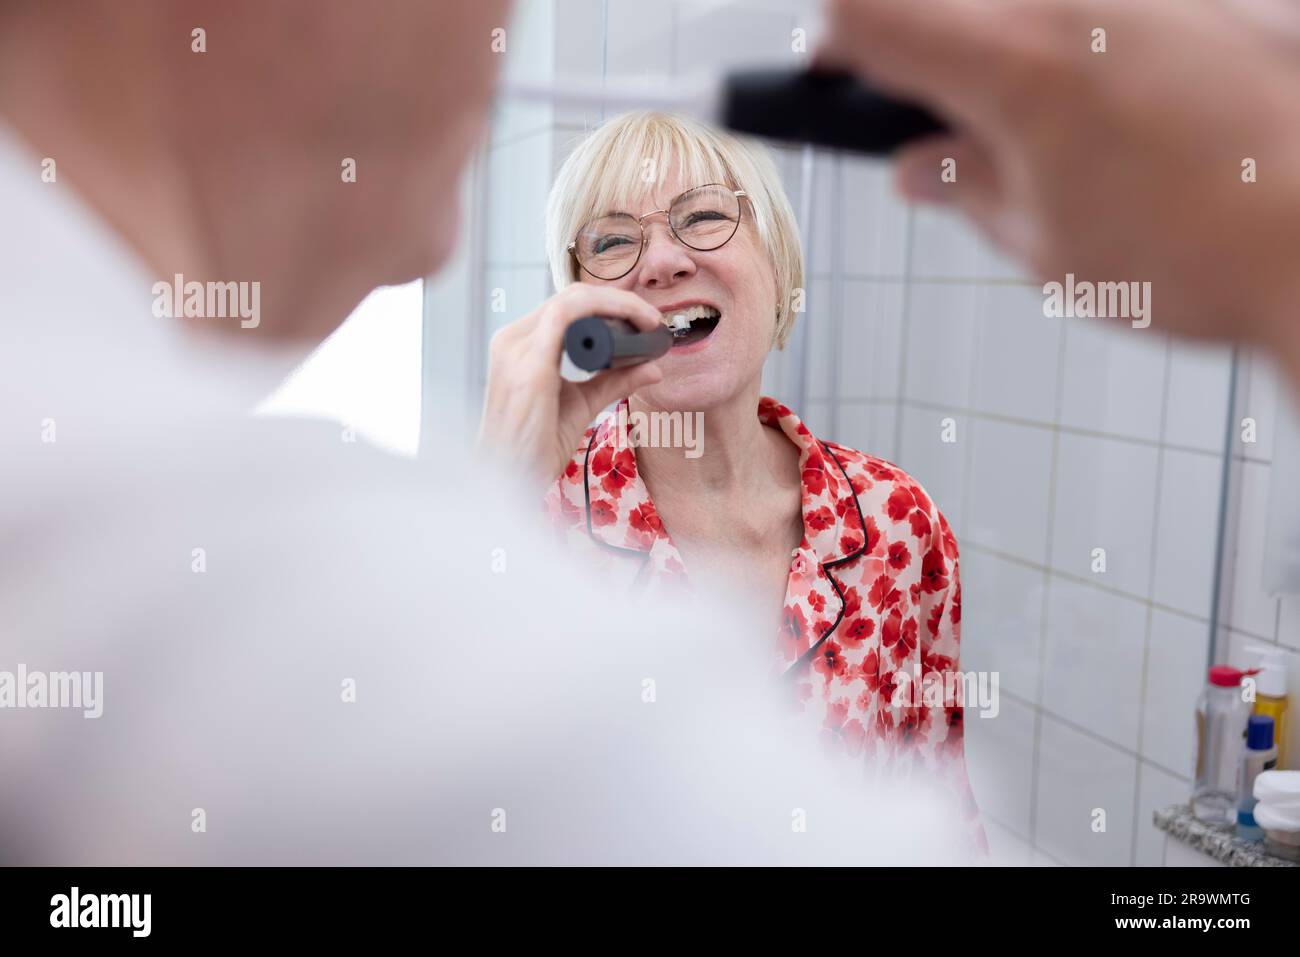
(584,299)
(530,412)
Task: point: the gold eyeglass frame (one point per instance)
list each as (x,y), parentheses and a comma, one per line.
(740,194)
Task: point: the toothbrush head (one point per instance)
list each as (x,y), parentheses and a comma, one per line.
(678,325)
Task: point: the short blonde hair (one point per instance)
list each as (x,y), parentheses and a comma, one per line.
(609,169)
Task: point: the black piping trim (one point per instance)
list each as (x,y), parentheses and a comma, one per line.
(808,655)
(586,500)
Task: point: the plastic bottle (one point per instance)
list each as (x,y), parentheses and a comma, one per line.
(1260,755)
(1221,714)
(1270,695)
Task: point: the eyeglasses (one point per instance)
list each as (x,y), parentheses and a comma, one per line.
(703,218)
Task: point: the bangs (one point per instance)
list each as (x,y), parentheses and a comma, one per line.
(641,155)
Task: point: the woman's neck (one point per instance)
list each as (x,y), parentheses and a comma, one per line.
(731,442)
(742,487)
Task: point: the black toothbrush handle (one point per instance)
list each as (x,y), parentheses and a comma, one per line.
(595,343)
(824,109)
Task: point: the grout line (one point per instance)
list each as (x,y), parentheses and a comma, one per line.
(908,279)
(1150,596)
(1094,736)
(1229,511)
(1004,825)
(866,400)
(1244,633)
(1051,857)
(1251,460)
(604,51)
(1058,401)
(968,450)
(1137,779)
(1071,577)
(837,307)
(1057,427)
(905,308)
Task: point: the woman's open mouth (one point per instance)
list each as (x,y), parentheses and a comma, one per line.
(692,324)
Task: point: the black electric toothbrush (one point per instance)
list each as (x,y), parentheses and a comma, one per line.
(596,343)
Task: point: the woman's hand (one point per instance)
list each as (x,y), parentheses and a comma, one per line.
(532,418)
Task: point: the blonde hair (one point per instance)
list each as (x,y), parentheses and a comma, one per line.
(615,164)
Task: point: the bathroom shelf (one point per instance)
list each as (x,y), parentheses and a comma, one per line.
(1219,841)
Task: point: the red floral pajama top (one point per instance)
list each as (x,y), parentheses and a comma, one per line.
(873,593)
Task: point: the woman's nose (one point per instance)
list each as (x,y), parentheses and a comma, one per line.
(664,260)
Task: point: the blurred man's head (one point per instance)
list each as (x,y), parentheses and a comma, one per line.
(314,146)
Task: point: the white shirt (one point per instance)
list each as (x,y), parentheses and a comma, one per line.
(232,578)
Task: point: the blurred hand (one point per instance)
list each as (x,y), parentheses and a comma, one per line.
(1124,165)
(532,418)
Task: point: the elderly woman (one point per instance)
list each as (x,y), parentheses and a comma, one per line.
(656,219)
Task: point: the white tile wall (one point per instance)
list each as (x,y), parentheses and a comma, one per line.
(1258,401)
(1156,789)
(710,36)
(944,246)
(999,762)
(1198,396)
(941,335)
(940,338)
(1006,848)
(1078,777)
(866,425)
(1114,378)
(639,38)
(1002,619)
(1187,525)
(874,221)
(871,339)
(1092,660)
(1009,489)
(938,465)
(520,173)
(1288,624)
(1105,498)
(1174,674)
(1248,607)
(821,235)
(1015,368)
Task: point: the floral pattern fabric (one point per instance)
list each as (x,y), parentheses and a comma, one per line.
(873,599)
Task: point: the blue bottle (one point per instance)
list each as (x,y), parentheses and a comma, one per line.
(1259,755)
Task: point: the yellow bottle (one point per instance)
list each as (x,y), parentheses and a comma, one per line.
(1270,696)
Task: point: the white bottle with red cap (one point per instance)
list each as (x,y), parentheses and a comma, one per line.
(1221,714)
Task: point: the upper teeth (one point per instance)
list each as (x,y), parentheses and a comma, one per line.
(680,320)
